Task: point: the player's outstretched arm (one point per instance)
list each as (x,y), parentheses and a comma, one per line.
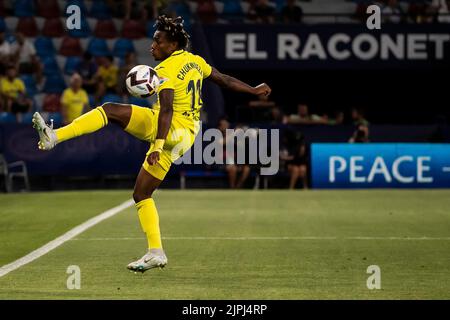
(228,82)
(164,121)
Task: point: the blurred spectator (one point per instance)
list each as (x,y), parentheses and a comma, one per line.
(74,100)
(13,94)
(206,11)
(25,58)
(297,164)
(392,12)
(231,167)
(358,117)
(338,119)
(5,53)
(106,77)
(87,69)
(128,64)
(441,10)
(291,12)
(303,117)
(262,12)
(361,134)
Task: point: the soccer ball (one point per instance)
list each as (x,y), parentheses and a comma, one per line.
(142,81)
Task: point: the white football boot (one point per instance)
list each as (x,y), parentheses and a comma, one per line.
(154,258)
(47,137)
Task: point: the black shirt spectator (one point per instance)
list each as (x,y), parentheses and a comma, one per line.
(291,12)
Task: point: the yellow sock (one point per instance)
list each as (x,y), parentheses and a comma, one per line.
(148,216)
(86,123)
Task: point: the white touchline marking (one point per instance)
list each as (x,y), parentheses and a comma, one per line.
(446,169)
(272,238)
(65,237)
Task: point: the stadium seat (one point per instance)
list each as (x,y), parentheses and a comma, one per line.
(232,10)
(98,47)
(100,10)
(105,29)
(44,46)
(54,83)
(206,11)
(30,84)
(24,8)
(111,98)
(83,32)
(57,118)
(122,47)
(7,117)
(71,64)
(2,25)
(139,101)
(50,65)
(48,8)
(53,27)
(27,26)
(132,29)
(2,8)
(52,103)
(70,47)
(27,117)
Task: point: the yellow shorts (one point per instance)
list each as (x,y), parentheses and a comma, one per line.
(144,126)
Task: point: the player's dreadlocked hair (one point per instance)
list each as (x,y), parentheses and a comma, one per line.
(174,29)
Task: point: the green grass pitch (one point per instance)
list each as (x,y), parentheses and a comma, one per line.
(234,245)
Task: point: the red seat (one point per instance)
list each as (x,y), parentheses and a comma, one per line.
(206,11)
(105,29)
(52,103)
(48,8)
(27,26)
(133,29)
(2,9)
(70,47)
(53,27)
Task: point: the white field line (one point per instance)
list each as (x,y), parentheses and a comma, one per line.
(273,238)
(65,237)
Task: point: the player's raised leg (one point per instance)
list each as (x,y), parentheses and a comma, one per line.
(86,123)
(149,219)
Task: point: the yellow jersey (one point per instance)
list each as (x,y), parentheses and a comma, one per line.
(184,73)
(109,75)
(12,88)
(74,102)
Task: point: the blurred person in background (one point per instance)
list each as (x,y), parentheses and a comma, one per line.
(361,134)
(231,167)
(297,162)
(5,53)
(13,93)
(291,12)
(87,69)
(262,12)
(129,62)
(392,12)
(358,117)
(74,100)
(25,58)
(304,117)
(106,78)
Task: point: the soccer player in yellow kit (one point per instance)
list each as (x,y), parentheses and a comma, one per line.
(170,126)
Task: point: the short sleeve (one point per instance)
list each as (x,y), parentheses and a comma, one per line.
(206,68)
(64,97)
(85,98)
(20,85)
(166,78)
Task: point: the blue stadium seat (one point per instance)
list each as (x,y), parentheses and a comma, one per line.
(27,117)
(50,65)
(71,64)
(2,25)
(139,101)
(54,83)
(91,100)
(112,98)
(98,47)
(44,46)
(24,8)
(6,117)
(232,7)
(30,84)
(83,32)
(122,47)
(100,10)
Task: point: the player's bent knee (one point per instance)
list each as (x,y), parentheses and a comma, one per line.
(140,196)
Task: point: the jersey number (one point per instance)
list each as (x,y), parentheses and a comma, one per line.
(195,89)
